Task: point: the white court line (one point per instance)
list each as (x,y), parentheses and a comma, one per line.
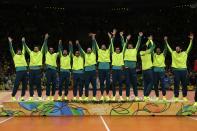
(193,118)
(105,124)
(5,120)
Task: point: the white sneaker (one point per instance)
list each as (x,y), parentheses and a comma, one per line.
(185,99)
(113,98)
(30,99)
(102,98)
(164,98)
(175,99)
(14,99)
(107,98)
(21,99)
(121,99)
(80,99)
(74,98)
(146,98)
(52,98)
(86,99)
(157,99)
(65,98)
(195,104)
(40,99)
(48,98)
(94,99)
(59,98)
(136,99)
(127,98)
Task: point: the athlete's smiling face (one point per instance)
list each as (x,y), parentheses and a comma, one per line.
(178,49)
(19,52)
(130,46)
(103,47)
(117,50)
(77,53)
(89,50)
(51,50)
(158,51)
(65,52)
(36,49)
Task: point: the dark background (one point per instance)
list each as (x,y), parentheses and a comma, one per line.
(71,20)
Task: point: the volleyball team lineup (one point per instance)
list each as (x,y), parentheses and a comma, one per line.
(81,66)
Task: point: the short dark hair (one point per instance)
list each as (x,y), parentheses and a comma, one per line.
(37,46)
(18,49)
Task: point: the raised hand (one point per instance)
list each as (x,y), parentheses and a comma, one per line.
(121,33)
(70,42)
(46,36)
(165,38)
(23,39)
(114,32)
(150,37)
(77,42)
(128,37)
(9,39)
(92,34)
(191,36)
(60,42)
(140,33)
(109,35)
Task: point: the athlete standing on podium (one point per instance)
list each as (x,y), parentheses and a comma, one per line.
(65,67)
(51,71)
(147,65)
(35,66)
(159,71)
(77,73)
(21,69)
(103,67)
(90,70)
(179,65)
(130,60)
(117,67)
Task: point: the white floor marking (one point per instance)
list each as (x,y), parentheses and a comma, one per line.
(5,120)
(105,124)
(193,118)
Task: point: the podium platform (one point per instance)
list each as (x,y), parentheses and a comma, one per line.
(61,108)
